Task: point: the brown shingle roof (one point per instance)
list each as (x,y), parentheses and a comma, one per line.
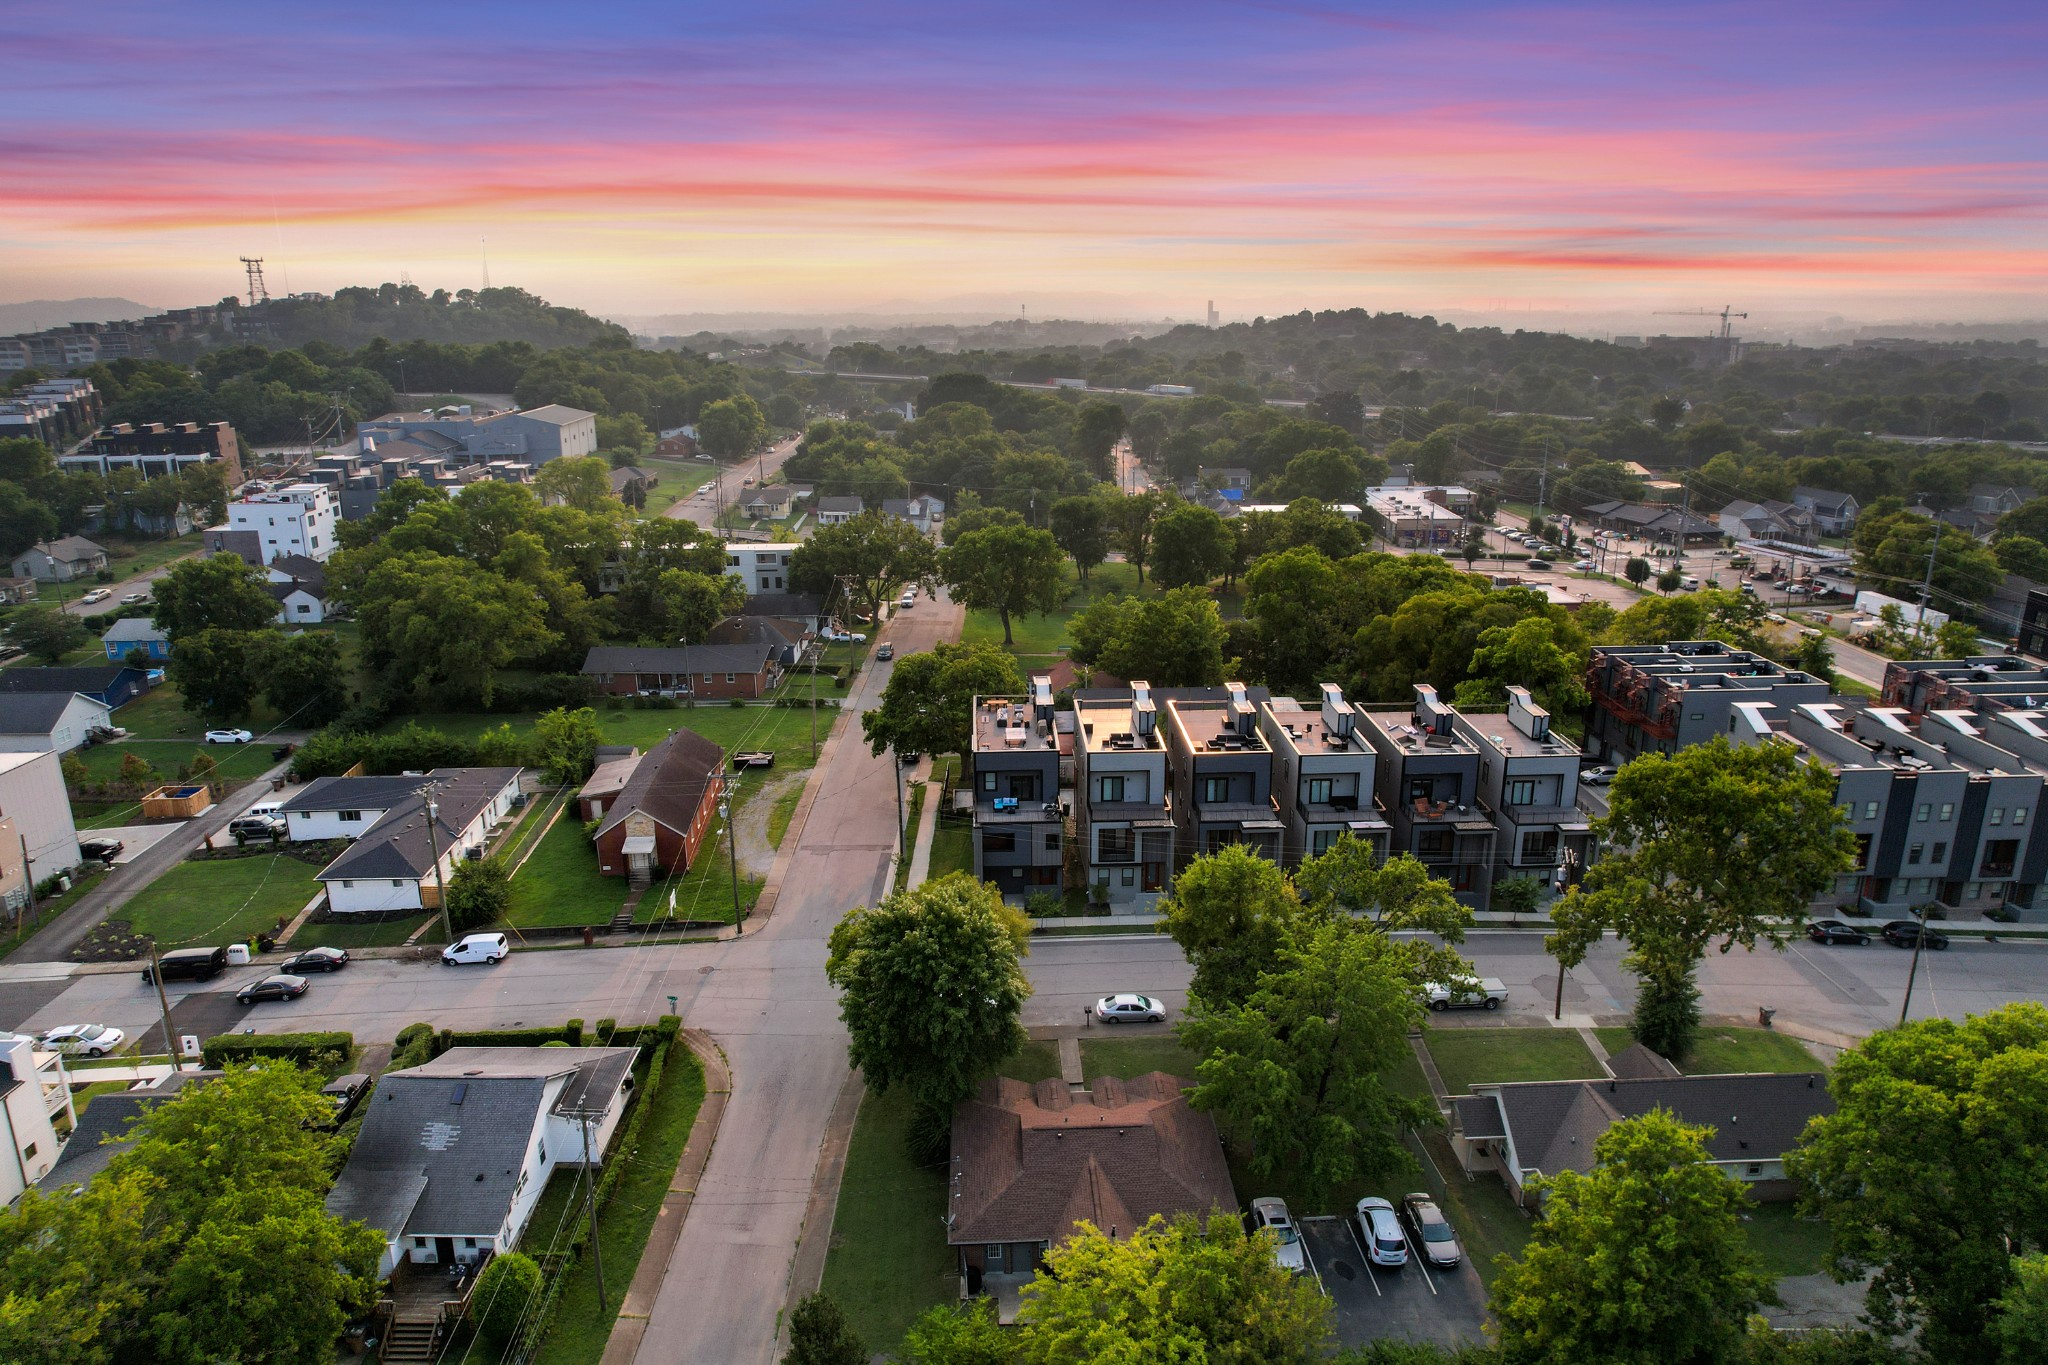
(669,782)
(1031,1160)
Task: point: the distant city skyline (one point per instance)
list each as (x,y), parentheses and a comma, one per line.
(1875,160)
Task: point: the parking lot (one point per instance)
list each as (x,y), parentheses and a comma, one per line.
(1413,1303)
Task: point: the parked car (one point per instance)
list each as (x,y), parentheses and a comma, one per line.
(96,595)
(134,597)
(346,1092)
(228,736)
(476,948)
(1486,993)
(100,850)
(254,826)
(908,600)
(1583,565)
(1903,933)
(1833,931)
(1379,1232)
(84,1040)
(106,734)
(885,653)
(316,960)
(1431,1231)
(189,964)
(1596,777)
(1270,1214)
(1129,1009)
(282,986)
(1540,564)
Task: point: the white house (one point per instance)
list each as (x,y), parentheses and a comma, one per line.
(392,863)
(923,511)
(297,519)
(49,722)
(33,1092)
(832,511)
(60,561)
(35,822)
(763,567)
(453,1155)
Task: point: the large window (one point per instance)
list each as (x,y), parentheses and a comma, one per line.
(1215,789)
(1539,846)
(999,841)
(1999,856)
(1112,789)
(1322,841)
(1115,845)
(1433,843)
(1522,792)
(1319,791)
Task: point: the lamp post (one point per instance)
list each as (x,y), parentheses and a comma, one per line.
(732,849)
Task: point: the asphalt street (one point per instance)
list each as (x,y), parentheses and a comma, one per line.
(703,508)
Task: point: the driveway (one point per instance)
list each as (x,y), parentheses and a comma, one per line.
(135,840)
(1413,1303)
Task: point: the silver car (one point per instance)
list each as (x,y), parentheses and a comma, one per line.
(1434,1239)
(1270,1215)
(1379,1232)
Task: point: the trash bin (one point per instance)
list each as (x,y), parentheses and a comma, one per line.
(277,784)
(238,954)
(589,935)
(1764,1016)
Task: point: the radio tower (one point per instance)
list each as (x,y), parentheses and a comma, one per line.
(258,293)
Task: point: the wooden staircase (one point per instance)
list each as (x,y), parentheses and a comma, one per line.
(411,1341)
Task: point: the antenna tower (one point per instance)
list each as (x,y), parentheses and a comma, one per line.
(258,292)
(484,245)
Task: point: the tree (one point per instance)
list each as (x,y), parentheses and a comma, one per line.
(965,519)
(1327,475)
(926,703)
(1080,524)
(1714,844)
(1190,546)
(1637,570)
(1097,429)
(503,1294)
(135,769)
(479,893)
(731,427)
(437,625)
(23,459)
(1956,640)
(878,554)
(580,481)
(1670,580)
(932,982)
(2022,1322)
(819,1334)
(1474,547)
(221,673)
(1641,1260)
(1667,412)
(304,679)
(1005,569)
(1546,656)
(1131,519)
(1516,896)
(958,1334)
(1172,640)
(1297,1068)
(1894,547)
(220,592)
(1929,1171)
(2022,555)
(23,520)
(678,605)
(1292,597)
(47,633)
(565,743)
(1231,912)
(1392,895)
(1180,1291)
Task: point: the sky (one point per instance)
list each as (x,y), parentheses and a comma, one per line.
(1869,159)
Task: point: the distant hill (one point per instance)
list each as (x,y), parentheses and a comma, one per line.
(400,313)
(38,314)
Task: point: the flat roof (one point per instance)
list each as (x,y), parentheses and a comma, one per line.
(1208,727)
(1006,725)
(1302,731)
(1105,727)
(1399,726)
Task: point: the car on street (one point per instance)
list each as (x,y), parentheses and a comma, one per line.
(96,595)
(1129,1009)
(1596,777)
(1583,565)
(254,826)
(315,960)
(489,948)
(1904,933)
(1833,931)
(1434,1239)
(885,653)
(280,986)
(908,600)
(1270,1214)
(1379,1232)
(1540,564)
(84,1040)
(1485,993)
(346,1092)
(100,850)
(134,597)
(228,736)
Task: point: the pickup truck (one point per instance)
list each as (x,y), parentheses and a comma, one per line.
(1484,994)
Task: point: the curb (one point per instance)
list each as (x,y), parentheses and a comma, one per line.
(814,1241)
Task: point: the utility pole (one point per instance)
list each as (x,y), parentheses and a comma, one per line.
(156,976)
(1927,582)
(28,878)
(590,1199)
(1919,942)
(434,843)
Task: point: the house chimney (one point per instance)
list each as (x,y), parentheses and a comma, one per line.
(1337,712)
(1525,715)
(1041,695)
(1144,714)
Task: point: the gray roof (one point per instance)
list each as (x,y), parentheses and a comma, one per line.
(136,629)
(1477,1116)
(444,1143)
(302,567)
(1823,499)
(96,678)
(353,793)
(69,548)
(37,713)
(677,659)
(783,604)
(103,1128)
(1636,1062)
(558,414)
(841,505)
(1755,1117)
(399,846)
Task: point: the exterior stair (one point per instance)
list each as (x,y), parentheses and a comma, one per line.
(411,1341)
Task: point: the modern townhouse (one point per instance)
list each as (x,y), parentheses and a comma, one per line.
(1427,786)
(1123,806)
(1660,698)
(1529,782)
(1221,771)
(1019,827)
(1323,771)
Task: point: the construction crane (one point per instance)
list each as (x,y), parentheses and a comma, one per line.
(1724,315)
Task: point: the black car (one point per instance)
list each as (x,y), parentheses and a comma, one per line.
(1902,933)
(1832,931)
(279,987)
(100,850)
(346,1092)
(1540,564)
(316,960)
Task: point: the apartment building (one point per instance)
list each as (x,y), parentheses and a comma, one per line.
(1323,771)
(1529,782)
(1124,807)
(1988,682)
(1427,786)
(297,519)
(761,567)
(1661,698)
(155,449)
(1220,770)
(1019,827)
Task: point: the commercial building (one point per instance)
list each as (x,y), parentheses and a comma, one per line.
(297,519)
(532,436)
(1419,514)
(1019,826)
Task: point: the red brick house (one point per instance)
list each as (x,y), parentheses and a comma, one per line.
(660,816)
(680,446)
(706,672)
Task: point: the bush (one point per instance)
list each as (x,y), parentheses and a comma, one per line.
(606,1028)
(1666,1017)
(666,1028)
(931,1133)
(327,1052)
(502,1295)
(735,702)
(414,1046)
(478,894)
(572,1033)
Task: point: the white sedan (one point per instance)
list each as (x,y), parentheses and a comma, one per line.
(84,1040)
(1129,1009)
(228,737)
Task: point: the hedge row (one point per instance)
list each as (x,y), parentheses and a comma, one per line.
(420,1043)
(320,1051)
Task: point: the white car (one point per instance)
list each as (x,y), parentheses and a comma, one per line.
(84,1040)
(228,737)
(1271,1215)
(97,595)
(1484,994)
(1129,1009)
(1584,566)
(1379,1232)
(476,948)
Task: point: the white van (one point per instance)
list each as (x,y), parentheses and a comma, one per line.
(476,948)
(1688,584)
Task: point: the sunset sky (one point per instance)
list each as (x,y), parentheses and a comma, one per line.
(1133,160)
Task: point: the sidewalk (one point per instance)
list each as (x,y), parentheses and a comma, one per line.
(927,830)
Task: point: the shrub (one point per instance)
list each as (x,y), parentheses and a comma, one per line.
(666,1028)
(414,1046)
(502,1295)
(327,1052)
(478,894)
(572,1033)
(735,702)
(1667,1016)
(606,1028)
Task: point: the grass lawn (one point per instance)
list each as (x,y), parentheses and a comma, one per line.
(160,714)
(1722,1050)
(83,1095)
(785,731)
(390,934)
(580,1328)
(1044,638)
(1034,1062)
(1468,1055)
(705,892)
(914,808)
(1128,1057)
(104,814)
(1786,1243)
(234,762)
(889,1260)
(783,812)
(560,883)
(952,846)
(225,900)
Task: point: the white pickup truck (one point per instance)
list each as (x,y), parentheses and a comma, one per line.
(1484,994)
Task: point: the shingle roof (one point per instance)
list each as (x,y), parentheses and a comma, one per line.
(353,793)
(1755,1117)
(399,845)
(669,782)
(303,568)
(1637,1063)
(1824,499)
(1029,1160)
(37,713)
(609,778)
(1478,1116)
(750,628)
(677,659)
(69,548)
(86,679)
(783,604)
(109,1116)
(840,505)
(134,628)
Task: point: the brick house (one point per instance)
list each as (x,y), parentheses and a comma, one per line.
(706,672)
(660,816)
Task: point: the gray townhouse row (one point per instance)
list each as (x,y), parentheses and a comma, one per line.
(1151,778)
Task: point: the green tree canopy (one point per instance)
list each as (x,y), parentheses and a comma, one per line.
(46,633)
(731,427)
(1545,655)
(1009,570)
(1190,546)
(1080,525)
(580,481)
(875,554)
(304,680)
(220,592)
(438,625)
(1172,640)
(220,673)
(1231,912)
(926,704)
(819,1334)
